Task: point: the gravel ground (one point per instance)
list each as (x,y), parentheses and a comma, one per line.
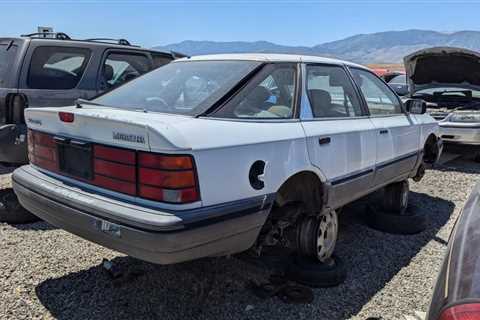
(47,273)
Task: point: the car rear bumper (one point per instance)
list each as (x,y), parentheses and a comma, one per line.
(149,234)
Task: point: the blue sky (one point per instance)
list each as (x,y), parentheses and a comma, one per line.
(302,22)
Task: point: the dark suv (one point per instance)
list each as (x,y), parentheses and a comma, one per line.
(53,70)
(50,70)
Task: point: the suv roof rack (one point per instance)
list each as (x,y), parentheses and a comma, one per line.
(56,35)
(64,36)
(123,42)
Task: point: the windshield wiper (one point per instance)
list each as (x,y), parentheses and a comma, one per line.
(79,102)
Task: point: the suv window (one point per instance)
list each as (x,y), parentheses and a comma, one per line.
(160,60)
(119,68)
(269,95)
(57,67)
(8,52)
(380,99)
(331,93)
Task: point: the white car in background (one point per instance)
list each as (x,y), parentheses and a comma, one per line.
(448,79)
(213,155)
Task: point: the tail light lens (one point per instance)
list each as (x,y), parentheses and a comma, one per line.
(167,178)
(42,150)
(164,178)
(462,312)
(66,116)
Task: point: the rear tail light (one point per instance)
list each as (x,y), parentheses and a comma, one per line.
(66,116)
(42,150)
(164,178)
(462,312)
(167,178)
(15,108)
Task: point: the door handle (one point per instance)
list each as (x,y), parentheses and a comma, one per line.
(325,140)
(383,131)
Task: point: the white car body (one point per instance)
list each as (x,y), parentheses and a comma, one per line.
(362,154)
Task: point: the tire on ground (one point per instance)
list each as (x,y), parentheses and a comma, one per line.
(316,274)
(11,211)
(411,222)
(317,236)
(396,197)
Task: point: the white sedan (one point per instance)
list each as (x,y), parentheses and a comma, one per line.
(214,155)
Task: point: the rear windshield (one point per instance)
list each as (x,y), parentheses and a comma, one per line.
(8,51)
(184,87)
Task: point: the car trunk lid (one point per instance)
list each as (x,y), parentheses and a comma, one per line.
(116,127)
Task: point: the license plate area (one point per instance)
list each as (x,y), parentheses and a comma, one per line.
(75,158)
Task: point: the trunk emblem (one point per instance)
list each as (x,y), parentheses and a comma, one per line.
(128,137)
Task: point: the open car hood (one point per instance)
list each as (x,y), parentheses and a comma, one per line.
(442,67)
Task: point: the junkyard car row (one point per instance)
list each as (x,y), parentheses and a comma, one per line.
(215,155)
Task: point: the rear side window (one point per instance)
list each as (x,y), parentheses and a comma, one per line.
(270,94)
(119,68)
(57,68)
(8,52)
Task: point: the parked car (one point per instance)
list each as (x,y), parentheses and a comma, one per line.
(392,74)
(213,155)
(399,84)
(456,295)
(52,70)
(447,78)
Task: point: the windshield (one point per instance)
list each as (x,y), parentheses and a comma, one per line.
(184,87)
(400,79)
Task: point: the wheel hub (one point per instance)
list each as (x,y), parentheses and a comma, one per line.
(327,233)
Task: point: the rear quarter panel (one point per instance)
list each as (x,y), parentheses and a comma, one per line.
(225,150)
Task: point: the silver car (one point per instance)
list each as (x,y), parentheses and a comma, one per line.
(448,79)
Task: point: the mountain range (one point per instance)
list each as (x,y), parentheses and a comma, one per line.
(381,47)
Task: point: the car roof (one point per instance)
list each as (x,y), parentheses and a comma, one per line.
(272,57)
(94,43)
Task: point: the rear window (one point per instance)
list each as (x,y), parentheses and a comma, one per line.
(184,87)
(57,68)
(8,51)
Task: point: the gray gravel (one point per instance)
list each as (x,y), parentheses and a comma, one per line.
(48,273)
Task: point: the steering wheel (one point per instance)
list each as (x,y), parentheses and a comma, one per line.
(158,102)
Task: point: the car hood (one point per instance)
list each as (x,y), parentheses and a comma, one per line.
(442,67)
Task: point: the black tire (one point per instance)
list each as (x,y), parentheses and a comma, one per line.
(317,236)
(411,222)
(11,211)
(312,273)
(396,197)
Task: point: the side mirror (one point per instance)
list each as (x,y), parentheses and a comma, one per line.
(400,89)
(416,106)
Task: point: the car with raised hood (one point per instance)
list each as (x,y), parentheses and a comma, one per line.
(448,79)
(456,295)
(214,155)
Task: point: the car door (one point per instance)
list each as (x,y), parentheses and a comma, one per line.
(340,137)
(56,75)
(397,135)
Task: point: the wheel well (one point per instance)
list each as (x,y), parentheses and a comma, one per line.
(305,187)
(430,149)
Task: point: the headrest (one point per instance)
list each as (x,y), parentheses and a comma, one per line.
(108,72)
(259,95)
(320,97)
